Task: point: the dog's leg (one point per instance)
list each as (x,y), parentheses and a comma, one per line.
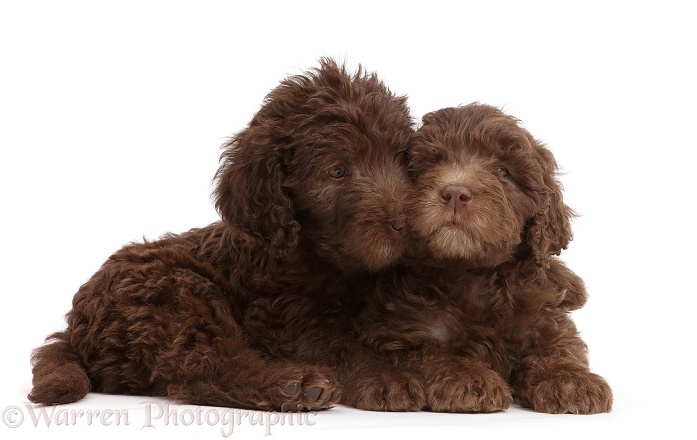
(457,384)
(553,375)
(371,383)
(246,380)
(208,361)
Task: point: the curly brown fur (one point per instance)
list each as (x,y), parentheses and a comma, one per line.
(252,311)
(479,308)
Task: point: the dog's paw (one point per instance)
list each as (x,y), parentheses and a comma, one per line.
(310,389)
(467,387)
(285,387)
(387,390)
(576,393)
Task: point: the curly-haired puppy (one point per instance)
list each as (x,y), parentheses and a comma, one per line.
(252,311)
(480,308)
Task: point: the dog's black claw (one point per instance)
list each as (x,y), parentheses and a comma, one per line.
(288,407)
(313,393)
(327,397)
(291,389)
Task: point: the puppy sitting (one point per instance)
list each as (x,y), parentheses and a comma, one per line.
(479,310)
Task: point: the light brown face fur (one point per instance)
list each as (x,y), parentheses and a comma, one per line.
(484,189)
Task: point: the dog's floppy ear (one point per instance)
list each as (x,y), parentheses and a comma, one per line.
(428,118)
(249,194)
(550,229)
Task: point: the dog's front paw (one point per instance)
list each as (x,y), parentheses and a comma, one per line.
(467,386)
(313,388)
(576,393)
(387,390)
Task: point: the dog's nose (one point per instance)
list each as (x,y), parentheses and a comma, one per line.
(456,196)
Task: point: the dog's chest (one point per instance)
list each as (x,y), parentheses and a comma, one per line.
(465,306)
(445,327)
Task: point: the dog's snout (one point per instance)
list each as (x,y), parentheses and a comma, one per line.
(456,196)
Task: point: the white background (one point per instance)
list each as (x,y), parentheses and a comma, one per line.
(112,115)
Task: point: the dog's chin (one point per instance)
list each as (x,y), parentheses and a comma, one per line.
(454,241)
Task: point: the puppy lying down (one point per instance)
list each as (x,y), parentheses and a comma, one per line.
(479,309)
(252,311)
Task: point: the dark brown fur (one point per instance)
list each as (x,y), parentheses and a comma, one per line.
(252,311)
(480,308)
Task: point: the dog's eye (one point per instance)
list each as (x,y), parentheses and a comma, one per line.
(502,172)
(337,172)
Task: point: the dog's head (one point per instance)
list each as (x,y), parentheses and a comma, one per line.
(321,163)
(485,189)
